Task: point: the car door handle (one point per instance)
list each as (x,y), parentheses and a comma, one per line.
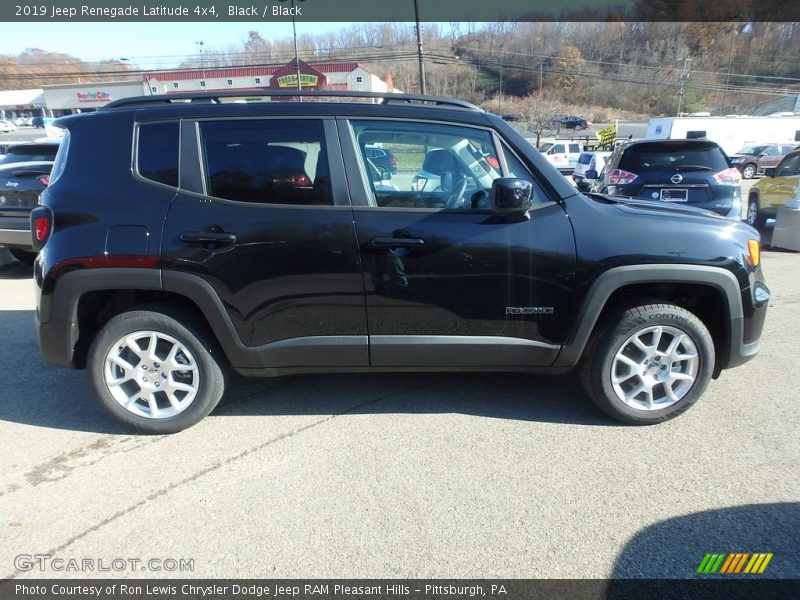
(208,237)
(395,242)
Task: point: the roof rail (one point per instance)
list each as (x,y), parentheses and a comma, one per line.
(216,97)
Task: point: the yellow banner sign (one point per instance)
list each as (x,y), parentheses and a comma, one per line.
(608,135)
(290,81)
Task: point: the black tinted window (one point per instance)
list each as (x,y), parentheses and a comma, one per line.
(30,152)
(266,160)
(672,157)
(157,156)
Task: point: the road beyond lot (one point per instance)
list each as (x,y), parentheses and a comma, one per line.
(429,475)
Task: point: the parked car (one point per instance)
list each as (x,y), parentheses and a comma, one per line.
(691,172)
(37,122)
(588,161)
(573,122)
(24,174)
(752,160)
(562,154)
(272,252)
(779,185)
(7,126)
(382,158)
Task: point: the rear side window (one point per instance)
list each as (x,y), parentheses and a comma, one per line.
(673,157)
(157,152)
(574,148)
(268,161)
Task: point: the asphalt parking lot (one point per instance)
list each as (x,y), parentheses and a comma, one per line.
(430,475)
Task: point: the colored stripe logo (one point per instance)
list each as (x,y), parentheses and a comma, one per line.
(734,563)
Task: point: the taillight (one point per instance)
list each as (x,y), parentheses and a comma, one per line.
(393,159)
(44,180)
(301,180)
(728,177)
(620,177)
(41,226)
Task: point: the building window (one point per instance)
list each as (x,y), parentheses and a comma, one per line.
(175,84)
(230,81)
(202,84)
(359,79)
(258,79)
(154,89)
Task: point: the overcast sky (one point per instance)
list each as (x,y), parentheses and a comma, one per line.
(140,42)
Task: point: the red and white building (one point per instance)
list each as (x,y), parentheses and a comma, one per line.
(350,76)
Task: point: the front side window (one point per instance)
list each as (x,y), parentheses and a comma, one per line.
(268,161)
(436,166)
(157,152)
(788,166)
(558,149)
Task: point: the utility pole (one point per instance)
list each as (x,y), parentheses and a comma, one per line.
(684,75)
(419,50)
(296,55)
(541,76)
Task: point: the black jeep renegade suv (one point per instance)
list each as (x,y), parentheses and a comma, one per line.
(184,237)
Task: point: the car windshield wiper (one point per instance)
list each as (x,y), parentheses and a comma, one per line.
(692,168)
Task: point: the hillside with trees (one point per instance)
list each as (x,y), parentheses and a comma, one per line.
(642,68)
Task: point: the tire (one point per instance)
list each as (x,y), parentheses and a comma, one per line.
(749,171)
(755,217)
(23,256)
(152,408)
(648,369)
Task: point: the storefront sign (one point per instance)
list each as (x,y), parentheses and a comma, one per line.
(98,96)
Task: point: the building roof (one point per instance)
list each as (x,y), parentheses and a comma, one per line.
(259,71)
(15,98)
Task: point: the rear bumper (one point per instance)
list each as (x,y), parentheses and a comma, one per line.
(15,232)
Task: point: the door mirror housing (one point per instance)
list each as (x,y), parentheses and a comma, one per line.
(591,174)
(511,196)
(769,171)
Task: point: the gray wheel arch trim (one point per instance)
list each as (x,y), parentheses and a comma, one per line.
(618,277)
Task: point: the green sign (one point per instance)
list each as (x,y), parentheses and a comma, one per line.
(290,81)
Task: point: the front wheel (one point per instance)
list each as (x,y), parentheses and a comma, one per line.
(749,171)
(156,370)
(648,364)
(755,217)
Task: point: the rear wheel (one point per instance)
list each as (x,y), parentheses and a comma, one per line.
(749,171)
(23,256)
(648,364)
(156,369)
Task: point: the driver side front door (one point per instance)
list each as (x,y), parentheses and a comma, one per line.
(448,283)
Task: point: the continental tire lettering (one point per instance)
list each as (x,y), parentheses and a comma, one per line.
(671,317)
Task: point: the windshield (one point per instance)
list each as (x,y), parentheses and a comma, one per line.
(752,150)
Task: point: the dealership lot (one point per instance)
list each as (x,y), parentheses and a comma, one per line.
(430,475)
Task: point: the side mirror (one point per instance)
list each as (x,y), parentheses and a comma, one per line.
(769,171)
(591,174)
(511,196)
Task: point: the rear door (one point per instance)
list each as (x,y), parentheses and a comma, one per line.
(264,221)
(449,283)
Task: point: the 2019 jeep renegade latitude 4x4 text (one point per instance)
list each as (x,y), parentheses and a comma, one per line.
(182,239)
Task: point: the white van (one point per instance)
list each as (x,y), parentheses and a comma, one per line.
(562,154)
